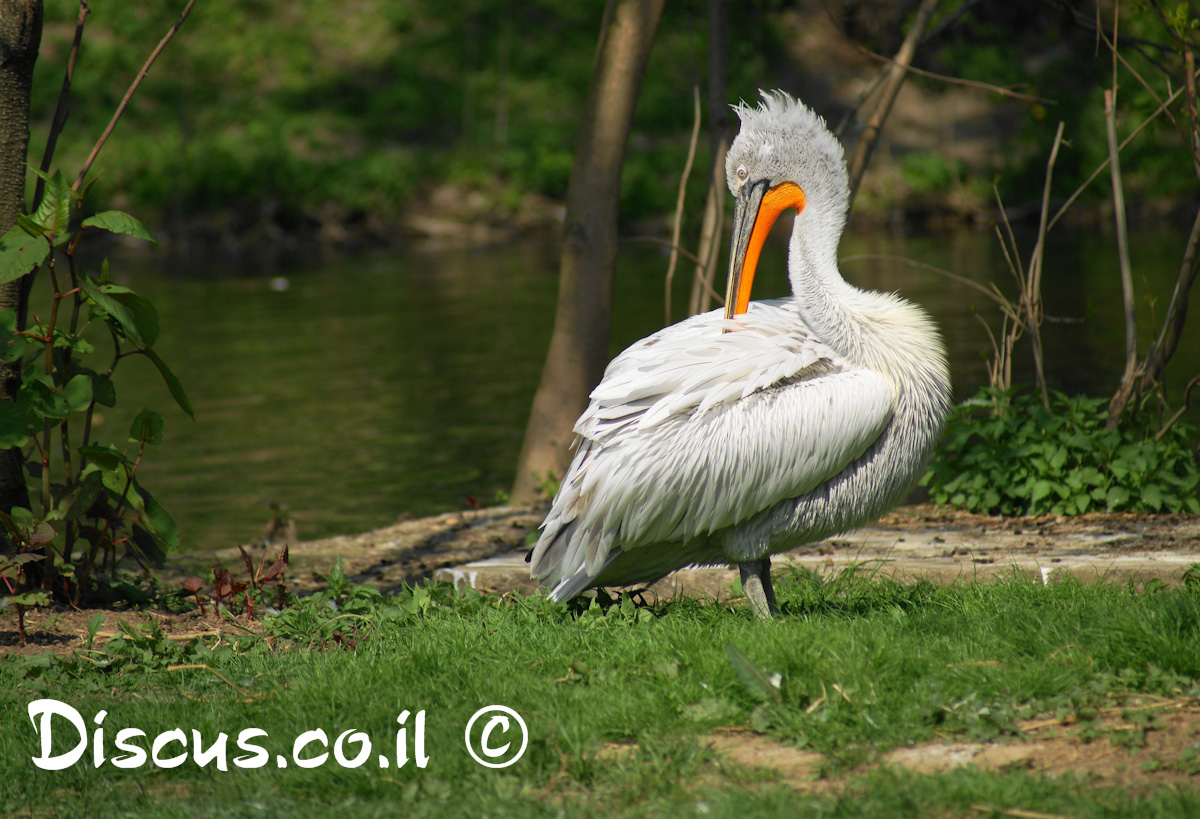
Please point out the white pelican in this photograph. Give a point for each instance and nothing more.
(727, 438)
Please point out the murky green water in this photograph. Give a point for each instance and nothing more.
(390, 383)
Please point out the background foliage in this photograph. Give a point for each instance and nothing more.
(294, 115)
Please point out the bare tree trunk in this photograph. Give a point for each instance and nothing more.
(579, 344)
(20, 36)
(897, 71)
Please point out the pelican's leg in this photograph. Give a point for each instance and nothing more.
(756, 582)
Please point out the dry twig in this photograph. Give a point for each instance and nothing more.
(129, 94)
(687, 171)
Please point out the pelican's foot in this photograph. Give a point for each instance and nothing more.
(756, 582)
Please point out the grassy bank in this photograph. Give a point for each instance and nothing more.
(630, 709)
(298, 116)
(264, 118)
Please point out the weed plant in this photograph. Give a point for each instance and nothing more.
(619, 699)
(1003, 453)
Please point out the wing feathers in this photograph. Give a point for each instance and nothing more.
(693, 430)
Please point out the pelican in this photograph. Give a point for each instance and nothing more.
(732, 436)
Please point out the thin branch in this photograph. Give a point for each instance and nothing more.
(60, 112)
(1014, 261)
(1100, 168)
(1110, 119)
(710, 236)
(713, 296)
(1172, 330)
(129, 94)
(955, 80)
(1187, 44)
(852, 111)
(1035, 262)
(963, 280)
(1187, 405)
(1032, 295)
(891, 88)
(687, 254)
(929, 37)
(951, 19)
(687, 171)
(1149, 90)
(1136, 43)
(1173, 321)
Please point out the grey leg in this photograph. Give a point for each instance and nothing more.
(756, 582)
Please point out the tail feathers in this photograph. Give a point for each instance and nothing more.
(559, 558)
(571, 586)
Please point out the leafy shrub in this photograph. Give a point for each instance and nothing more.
(1004, 453)
(88, 500)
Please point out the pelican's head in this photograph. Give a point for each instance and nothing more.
(783, 157)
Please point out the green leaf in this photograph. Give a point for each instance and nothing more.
(118, 222)
(78, 392)
(145, 315)
(28, 599)
(106, 457)
(54, 213)
(129, 314)
(20, 253)
(75, 343)
(103, 390)
(93, 628)
(12, 346)
(156, 520)
(83, 496)
(1116, 496)
(10, 562)
(1153, 497)
(1040, 490)
(44, 400)
(147, 427)
(337, 577)
(17, 422)
(173, 383)
(751, 676)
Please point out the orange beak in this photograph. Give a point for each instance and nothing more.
(754, 213)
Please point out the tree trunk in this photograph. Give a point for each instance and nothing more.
(579, 344)
(20, 36)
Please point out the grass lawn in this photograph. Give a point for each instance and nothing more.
(1070, 700)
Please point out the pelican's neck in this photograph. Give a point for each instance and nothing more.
(829, 305)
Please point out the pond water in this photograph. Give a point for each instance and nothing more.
(352, 390)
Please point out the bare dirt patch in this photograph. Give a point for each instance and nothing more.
(1146, 743)
(65, 631)
(1160, 748)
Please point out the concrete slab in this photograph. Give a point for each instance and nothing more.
(944, 547)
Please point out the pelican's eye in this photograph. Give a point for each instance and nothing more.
(742, 173)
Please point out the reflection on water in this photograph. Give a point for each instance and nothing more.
(355, 390)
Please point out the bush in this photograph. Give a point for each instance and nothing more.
(1004, 453)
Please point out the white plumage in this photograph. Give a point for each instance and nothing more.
(729, 437)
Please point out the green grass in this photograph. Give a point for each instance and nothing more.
(915, 663)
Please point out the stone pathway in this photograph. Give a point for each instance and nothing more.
(486, 548)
